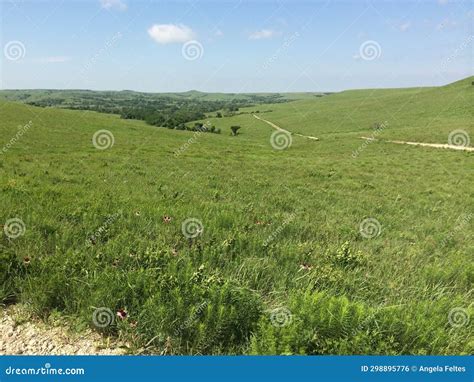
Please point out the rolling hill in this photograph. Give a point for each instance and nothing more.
(219, 244)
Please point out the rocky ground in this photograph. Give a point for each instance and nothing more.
(21, 335)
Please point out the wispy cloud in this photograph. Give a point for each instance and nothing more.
(170, 33)
(263, 34)
(118, 5)
(52, 59)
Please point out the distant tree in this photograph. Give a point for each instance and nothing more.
(219, 114)
(235, 130)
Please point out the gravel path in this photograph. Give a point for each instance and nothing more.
(21, 336)
(286, 131)
(436, 145)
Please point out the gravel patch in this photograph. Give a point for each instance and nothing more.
(30, 337)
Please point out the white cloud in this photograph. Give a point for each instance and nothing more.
(52, 59)
(113, 4)
(170, 33)
(218, 33)
(261, 34)
(404, 27)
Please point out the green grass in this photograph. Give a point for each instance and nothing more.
(217, 293)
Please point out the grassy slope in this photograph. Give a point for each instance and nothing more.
(419, 114)
(420, 266)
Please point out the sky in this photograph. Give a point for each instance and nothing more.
(234, 46)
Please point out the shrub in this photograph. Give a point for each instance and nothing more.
(234, 130)
(346, 257)
(317, 321)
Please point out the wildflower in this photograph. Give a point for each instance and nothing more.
(26, 260)
(166, 219)
(306, 266)
(122, 314)
(137, 213)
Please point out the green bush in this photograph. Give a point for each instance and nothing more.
(324, 324)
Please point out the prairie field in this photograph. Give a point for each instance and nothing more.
(264, 242)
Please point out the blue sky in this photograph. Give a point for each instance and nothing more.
(234, 46)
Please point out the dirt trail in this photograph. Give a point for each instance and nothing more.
(436, 145)
(286, 131)
(20, 335)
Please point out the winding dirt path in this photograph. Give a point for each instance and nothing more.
(436, 145)
(286, 131)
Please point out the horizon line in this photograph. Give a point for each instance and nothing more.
(230, 92)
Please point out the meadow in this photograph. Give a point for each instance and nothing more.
(184, 243)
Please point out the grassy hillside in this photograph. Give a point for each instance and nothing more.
(68, 97)
(418, 114)
(280, 265)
